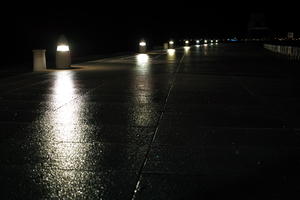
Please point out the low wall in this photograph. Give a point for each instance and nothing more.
(291, 52)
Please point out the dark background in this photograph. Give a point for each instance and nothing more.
(102, 28)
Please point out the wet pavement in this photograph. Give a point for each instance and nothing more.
(208, 122)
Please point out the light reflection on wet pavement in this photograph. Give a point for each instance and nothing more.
(180, 124)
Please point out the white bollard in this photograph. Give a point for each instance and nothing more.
(39, 60)
(63, 54)
(166, 46)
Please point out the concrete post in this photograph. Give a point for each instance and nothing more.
(166, 46)
(39, 60)
(63, 54)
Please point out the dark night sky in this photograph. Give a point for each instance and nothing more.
(102, 27)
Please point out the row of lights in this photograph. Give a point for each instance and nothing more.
(143, 58)
(63, 57)
(187, 42)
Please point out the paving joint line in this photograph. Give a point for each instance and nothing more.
(156, 130)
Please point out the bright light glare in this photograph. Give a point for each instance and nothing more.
(171, 52)
(197, 41)
(63, 48)
(205, 45)
(171, 42)
(217, 41)
(205, 41)
(186, 42)
(197, 45)
(142, 44)
(63, 123)
(64, 88)
(186, 48)
(142, 58)
(212, 41)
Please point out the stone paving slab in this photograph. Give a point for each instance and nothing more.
(211, 122)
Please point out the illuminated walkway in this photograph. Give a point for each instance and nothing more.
(208, 122)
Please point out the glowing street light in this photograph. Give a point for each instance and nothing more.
(205, 41)
(142, 46)
(63, 54)
(186, 42)
(62, 48)
(197, 41)
(171, 44)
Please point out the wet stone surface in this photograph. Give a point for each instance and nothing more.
(209, 122)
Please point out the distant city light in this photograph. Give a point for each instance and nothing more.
(217, 41)
(233, 40)
(197, 41)
(187, 42)
(63, 48)
(205, 41)
(211, 41)
(171, 42)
